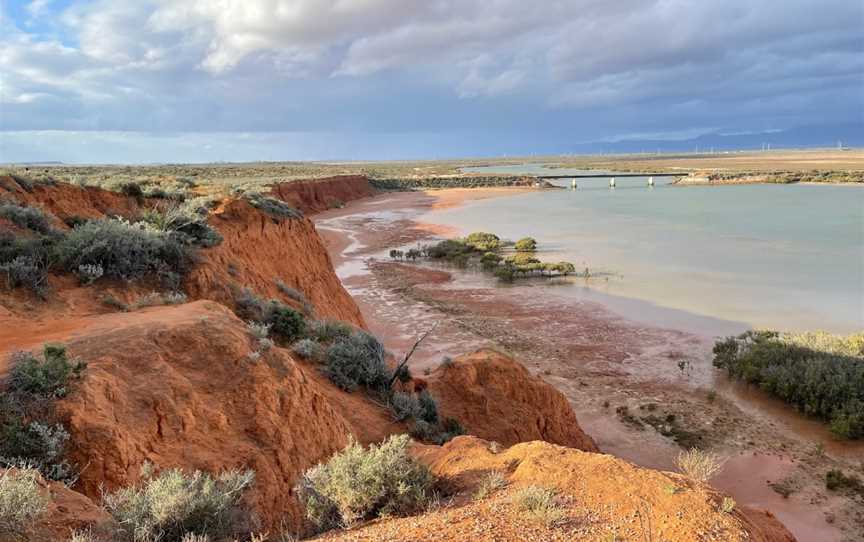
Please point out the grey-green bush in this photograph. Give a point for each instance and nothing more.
(31, 218)
(357, 360)
(21, 501)
(362, 483)
(126, 251)
(167, 506)
(275, 208)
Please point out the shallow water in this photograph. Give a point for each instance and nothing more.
(778, 256)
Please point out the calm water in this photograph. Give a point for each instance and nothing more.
(787, 257)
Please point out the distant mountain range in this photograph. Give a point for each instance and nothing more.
(820, 136)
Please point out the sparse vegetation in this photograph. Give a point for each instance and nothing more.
(491, 482)
(276, 208)
(837, 480)
(173, 504)
(699, 465)
(727, 505)
(21, 501)
(540, 504)
(820, 374)
(362, 483)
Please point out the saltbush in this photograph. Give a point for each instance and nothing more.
(168, 506)
(362, 483)
(30, 218)
(308, 350)
(357, 360)
(826, 384)
(126, 251)
(274, 207)
(21, 500)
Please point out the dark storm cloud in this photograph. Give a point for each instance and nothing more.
(579, 70)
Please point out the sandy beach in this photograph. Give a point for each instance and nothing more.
(636, 389)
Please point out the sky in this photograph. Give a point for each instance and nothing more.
(238, 80)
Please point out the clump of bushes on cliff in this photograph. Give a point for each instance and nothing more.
(29, 436)
(821, 376)
(160, 245)
(276, 208)
(30, 218)
(363, 483)
(173, 504)
(486, 250)
(285, 323)
(21, 501)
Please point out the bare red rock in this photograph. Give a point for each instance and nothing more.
(495, 397)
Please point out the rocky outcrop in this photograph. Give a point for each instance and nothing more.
(175, 386)
(600, 498)
(494, 397)
(260, 252)
(316, 195)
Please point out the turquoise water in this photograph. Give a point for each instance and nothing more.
(778, 256)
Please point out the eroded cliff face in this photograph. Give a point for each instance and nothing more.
(318, 195)
(175, 386)
(259, 252)
(496, 398)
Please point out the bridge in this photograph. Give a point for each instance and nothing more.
(610, 176)
(602, 175)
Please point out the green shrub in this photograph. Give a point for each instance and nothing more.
(428, 407)
(436, 433)
(490, 260)
(826, 384)
(285, 323)
(357, 360)
(837, 480)
(361, 483)
(526, 244)
(172, 504)
(133, 190)
(30, 218)
(47, 377)
(21, 500)
(482, 241)
(522, 258)
(274, 207)
(126, 251)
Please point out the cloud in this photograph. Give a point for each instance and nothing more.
(629, 66)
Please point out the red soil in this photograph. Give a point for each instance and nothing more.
(494, 397)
